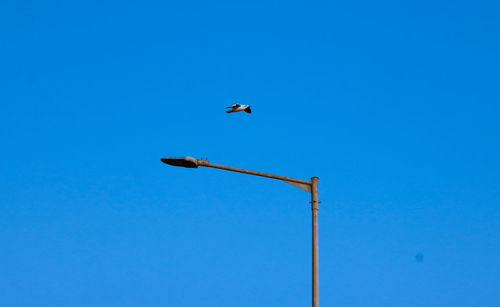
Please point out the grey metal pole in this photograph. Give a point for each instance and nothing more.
(249, 172)
(315, 244)
(309, 186)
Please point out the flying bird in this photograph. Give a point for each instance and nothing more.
(239, 107)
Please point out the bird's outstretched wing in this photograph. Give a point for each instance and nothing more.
(248, 110)
(233, 106)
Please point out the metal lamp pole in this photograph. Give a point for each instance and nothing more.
(306, 185)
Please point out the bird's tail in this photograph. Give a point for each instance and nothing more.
(248, 110)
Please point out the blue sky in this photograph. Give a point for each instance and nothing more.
(394, 105)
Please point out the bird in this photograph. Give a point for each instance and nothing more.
(239, 107)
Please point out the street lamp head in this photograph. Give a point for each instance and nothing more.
(188, 162)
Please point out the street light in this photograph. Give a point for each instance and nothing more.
(306, 185)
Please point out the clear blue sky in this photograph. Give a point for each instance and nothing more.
(394, 105)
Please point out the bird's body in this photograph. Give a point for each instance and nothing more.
(239, 107)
